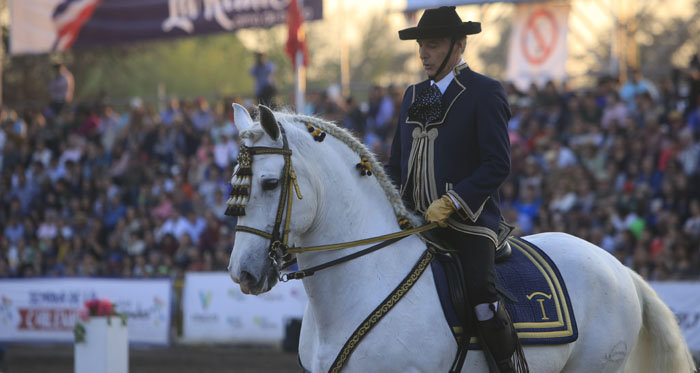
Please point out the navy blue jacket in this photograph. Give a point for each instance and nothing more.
(466, 154)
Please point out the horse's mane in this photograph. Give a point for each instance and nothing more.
(358, 148)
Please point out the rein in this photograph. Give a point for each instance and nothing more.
(389, 239)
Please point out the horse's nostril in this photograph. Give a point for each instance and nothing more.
(247, 278)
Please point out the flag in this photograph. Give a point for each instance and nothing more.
(296, 39)
(68, 18)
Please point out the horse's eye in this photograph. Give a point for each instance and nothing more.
(270, 184)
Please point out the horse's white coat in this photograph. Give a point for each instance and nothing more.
(339, 205)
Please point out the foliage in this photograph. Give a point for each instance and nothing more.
(185, 67)
(494, 58)
(377, 56)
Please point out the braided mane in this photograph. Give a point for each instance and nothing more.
(360, 149)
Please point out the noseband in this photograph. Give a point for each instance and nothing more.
(277, 251)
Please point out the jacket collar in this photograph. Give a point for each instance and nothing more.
(456, 87)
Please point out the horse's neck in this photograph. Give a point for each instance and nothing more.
(344, 294)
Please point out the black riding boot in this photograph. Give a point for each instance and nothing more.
(500, 341)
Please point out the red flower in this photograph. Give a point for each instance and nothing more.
(91, 305)
(105, 308)
(100, 307)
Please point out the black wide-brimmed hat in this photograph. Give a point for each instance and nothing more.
(438, 23)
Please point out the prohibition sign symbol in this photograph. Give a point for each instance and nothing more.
(539, 36)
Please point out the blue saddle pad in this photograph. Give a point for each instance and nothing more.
(542, 313)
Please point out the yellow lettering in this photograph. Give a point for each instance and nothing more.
(541, 302)
(544, 314)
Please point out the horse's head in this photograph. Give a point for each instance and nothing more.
(265, 182)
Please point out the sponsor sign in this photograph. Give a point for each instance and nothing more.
(40, 26)
(215, 310)
(46, 309)
(683, 298)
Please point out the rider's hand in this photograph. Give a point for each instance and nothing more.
(440, 210)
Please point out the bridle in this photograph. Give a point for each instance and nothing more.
(279, 252)
(280, 232)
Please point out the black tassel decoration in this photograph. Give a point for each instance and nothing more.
(317, 134)
(364, 167)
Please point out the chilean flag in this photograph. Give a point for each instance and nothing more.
(296, 37)
(68, 18)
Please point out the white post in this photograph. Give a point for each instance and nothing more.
(105, 348)
(300, 91)
(300, 82)
(344, 62)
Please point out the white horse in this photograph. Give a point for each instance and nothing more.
(623, 325)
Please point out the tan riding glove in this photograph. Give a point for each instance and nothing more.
(440, 210)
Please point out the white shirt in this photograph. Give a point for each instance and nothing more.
(447, 79)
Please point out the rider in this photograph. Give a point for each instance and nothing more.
(450, 154)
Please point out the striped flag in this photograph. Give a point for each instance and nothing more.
(68, 18)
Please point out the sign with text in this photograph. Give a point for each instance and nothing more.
(215, 310)
(41, 26)
(46, 309)
(683, 298)
(538, 47)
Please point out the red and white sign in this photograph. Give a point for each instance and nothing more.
(42, 309)
(538, 44)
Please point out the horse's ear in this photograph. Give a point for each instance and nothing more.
(268, 122)
(241, 118)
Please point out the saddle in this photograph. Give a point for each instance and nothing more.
(453, 268)
(529, 286)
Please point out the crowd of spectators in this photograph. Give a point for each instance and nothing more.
(89, 191)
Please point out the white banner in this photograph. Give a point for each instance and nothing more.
(684, 300)
(33, 29)
(45, 309)
(538, 44)
(215, 310)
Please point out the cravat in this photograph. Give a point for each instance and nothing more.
(427, 107)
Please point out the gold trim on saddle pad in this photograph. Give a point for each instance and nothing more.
(555, 293)
(558, 324)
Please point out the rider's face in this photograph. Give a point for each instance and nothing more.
(433, 51)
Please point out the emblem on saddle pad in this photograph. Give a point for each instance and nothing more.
(542, 297)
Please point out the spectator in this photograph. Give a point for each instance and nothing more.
(262, 71)
(60, 88)
(636, 85)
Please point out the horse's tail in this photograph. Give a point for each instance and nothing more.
(661, 346)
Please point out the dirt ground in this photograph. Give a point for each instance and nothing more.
(174, 359)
